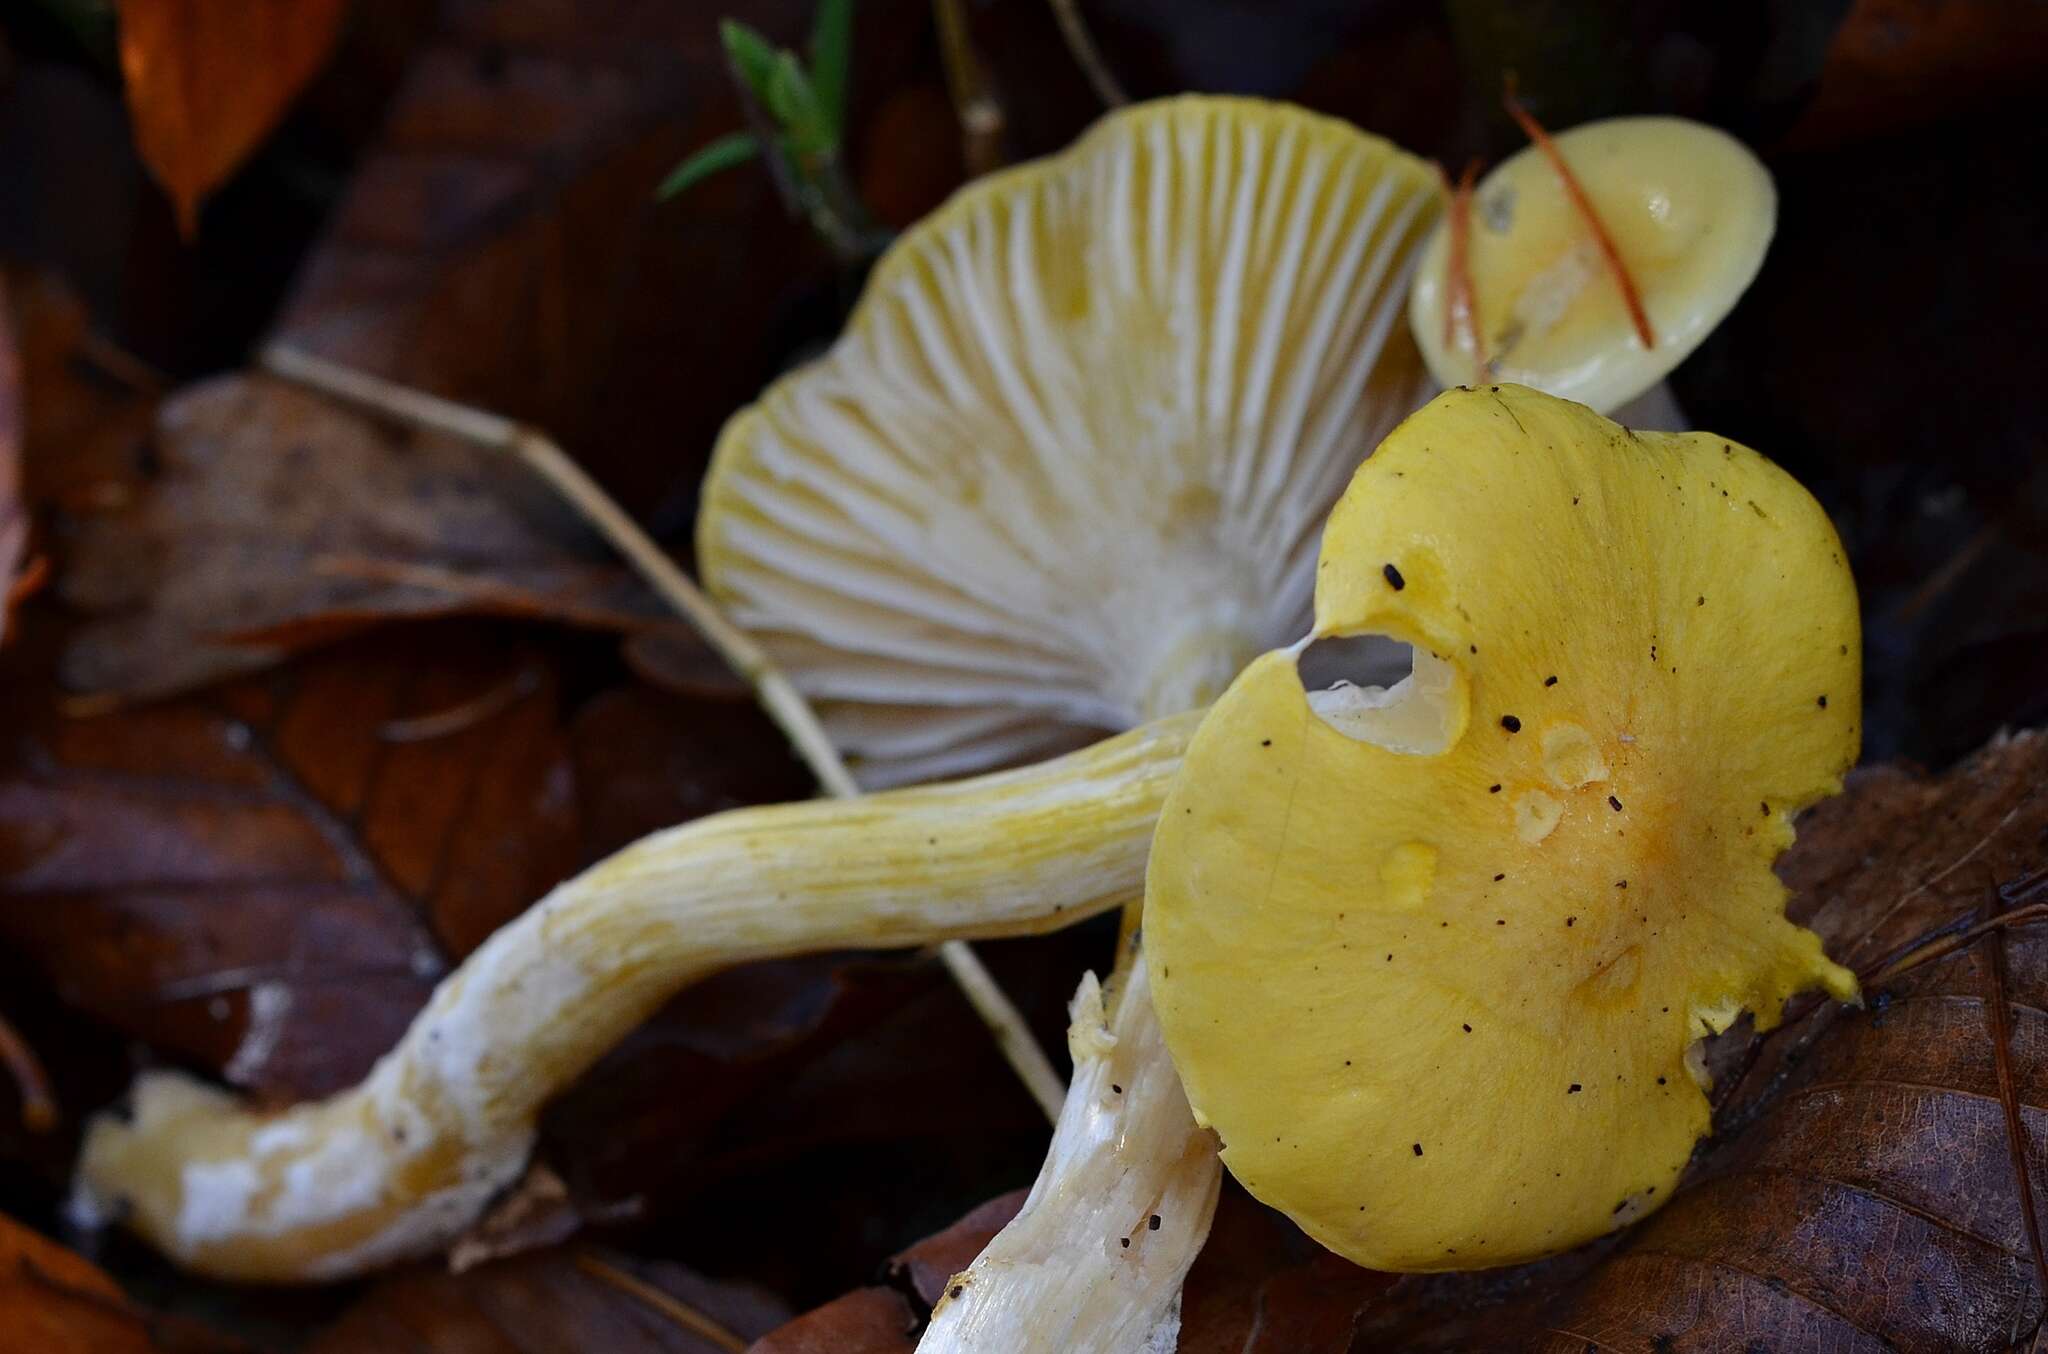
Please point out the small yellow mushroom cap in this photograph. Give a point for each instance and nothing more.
(1691, 212)
(1431, 961)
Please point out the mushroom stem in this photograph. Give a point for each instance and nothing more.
(1192, 672)
(399, 1165)
(1094, 1262)
(776, 693)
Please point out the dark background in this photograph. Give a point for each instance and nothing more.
(463, 201)
(1889, 354)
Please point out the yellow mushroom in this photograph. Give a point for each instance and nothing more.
(1691, 605)
(1431, 960)
(1064, 470)
(1689, 211)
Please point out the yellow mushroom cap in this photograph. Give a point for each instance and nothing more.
(1065, 468)
(1691, 212)
(1438, 1001)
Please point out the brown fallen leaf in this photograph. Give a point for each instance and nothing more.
(54, 1300)
(501, 245)
(676, 659)
(208, 80)
(564, 1301)
(266, 879)
(883, 1320)
(164, 545)
(865, 1321)
(1262, 1287)
(192, 576)
(1861, 1191)
(927, 1266)
(261, 879)
(85, 431)
(275, 520)
(18, 1061)
(646, 759)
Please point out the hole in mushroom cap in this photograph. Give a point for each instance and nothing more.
(1376, 661)
(1376, 689)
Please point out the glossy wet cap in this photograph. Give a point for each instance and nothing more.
(1691, 212)
(1431, 960)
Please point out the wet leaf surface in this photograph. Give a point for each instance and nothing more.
(270, 519)
(511, 194)
(247, 520)
(268, 878)
(256, 879)
(865, 1321)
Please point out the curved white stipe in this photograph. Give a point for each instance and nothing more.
(1093, 1263)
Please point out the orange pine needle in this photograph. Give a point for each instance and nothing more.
(1461, 297)
(1577, 193)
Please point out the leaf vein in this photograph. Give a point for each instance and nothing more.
(1774, 1286)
